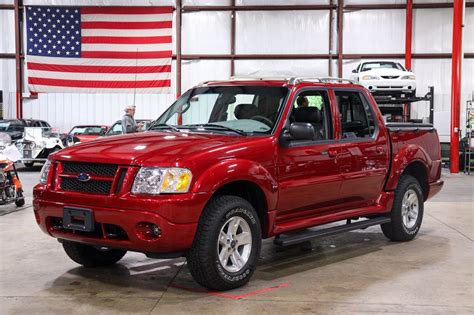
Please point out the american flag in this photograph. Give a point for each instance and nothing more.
(99, 49)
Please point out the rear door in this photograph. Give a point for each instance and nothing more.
(308, 173)
(364, 155)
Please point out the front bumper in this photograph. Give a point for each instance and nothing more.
(174, 237)
(387, 85)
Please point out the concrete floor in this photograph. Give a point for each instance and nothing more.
(357, 272)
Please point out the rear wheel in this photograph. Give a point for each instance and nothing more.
(407, 211)
(227, 244)
(90, 256)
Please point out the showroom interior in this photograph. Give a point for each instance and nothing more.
(145, 63)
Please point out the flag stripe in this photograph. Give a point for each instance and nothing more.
(100, 84)
(126, 10)
(126, 47)
(126, 18)
(126, 54)
(100, 62)
(70, 89)
(97, 69)
(126, 25)
(119, 77)
(127, 33)
(126, 40)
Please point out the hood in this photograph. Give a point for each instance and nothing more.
(150, 148)
(386, 71)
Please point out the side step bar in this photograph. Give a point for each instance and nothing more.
(296, 238)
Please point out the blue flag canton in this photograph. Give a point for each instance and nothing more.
(54, 32)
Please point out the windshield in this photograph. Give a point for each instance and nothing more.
(4, 126)
(238, 109)
(88, 131)
(385, 65)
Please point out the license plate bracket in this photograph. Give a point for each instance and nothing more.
(78, 219)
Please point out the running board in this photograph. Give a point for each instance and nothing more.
(292, 239)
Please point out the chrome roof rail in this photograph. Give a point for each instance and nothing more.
(297, 80)
(260, 78)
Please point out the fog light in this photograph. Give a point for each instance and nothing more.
(409, 87)
(147, 231)
(370, 87)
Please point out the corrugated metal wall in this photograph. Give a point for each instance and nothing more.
(365, 31)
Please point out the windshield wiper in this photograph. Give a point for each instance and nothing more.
(216, 126)
(164, 126)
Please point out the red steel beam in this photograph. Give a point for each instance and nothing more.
(340, 33)
(232, 39)
(18, 61)
(194, 8)
(456, 85)
(408, 44)
(331, 17)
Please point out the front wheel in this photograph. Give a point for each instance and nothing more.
(407, 211)
(90, 256)
(227, 244)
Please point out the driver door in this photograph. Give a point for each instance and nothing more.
(308, 171)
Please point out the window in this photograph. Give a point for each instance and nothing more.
(313, 107)
(386, 65)
(357, 119)
(242, 109)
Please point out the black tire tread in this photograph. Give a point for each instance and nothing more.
(395, 230)
(199, 263)
(88, 256)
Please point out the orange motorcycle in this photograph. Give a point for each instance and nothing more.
(11, 190)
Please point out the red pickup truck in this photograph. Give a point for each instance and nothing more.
(231, 163)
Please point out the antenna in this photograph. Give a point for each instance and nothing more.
(135, 89)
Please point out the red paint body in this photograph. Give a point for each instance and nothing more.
(301, 186)
(456, 85)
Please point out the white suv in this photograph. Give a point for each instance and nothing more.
(386, 78)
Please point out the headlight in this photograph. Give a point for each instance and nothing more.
(408, 77)
(44, 172)
(370, 77)
(155, 180)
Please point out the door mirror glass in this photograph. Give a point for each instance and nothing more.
(354, 71)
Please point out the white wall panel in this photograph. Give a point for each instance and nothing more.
(101, 2)
(206, 33)
(7, 29)
(468, 40)
(374, 31)
(206, 2)
(374, 2)
(432, 30)
(196, 71)
(279, 32)
(285, 68)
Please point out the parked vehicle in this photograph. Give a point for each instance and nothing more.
(37, 144)
(16, 127)
(116, 128)
(386, 79)
(245, 163)
(85, 133)
(11, 190)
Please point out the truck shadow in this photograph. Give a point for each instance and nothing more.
(136, 276)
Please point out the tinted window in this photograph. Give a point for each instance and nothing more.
(357, 119)
(313, 107)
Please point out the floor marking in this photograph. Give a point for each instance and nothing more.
(233, 297)
(133, 273)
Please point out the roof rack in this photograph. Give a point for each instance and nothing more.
(296, 80)
(260, 78)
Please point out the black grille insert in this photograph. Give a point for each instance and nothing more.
(92, 186)
(106, 170)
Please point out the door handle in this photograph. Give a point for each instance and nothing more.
(379, 150)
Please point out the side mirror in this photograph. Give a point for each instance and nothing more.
(298, 131)
(354, 71)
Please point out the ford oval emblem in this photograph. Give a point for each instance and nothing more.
(83, 177)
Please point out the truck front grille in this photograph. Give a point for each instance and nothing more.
(106, 170)
(92, 186)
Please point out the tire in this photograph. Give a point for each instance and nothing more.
(90, 256)
(29, 164)
(203, 258)
(20, 202)
(407, 211)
